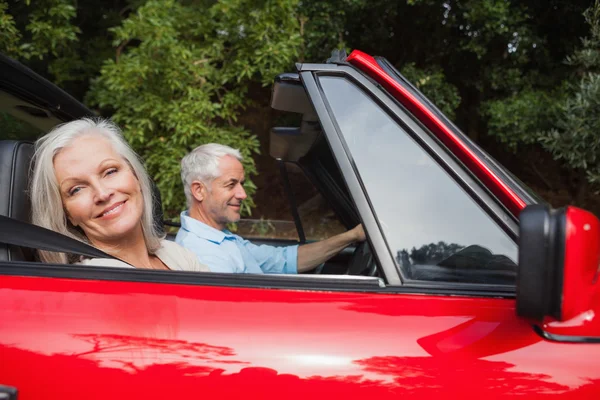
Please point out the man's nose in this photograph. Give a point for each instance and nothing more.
(241, 193)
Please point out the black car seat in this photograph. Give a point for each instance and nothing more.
(15, 158)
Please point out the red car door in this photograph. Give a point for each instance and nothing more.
(65, 338)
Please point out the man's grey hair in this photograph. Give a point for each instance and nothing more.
(202, 164)
(46, 203)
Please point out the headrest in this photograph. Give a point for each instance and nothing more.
(15, 157)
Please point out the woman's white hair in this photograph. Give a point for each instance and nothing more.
(202, 164)
(47, 208)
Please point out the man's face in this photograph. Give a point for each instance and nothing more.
(224, 195)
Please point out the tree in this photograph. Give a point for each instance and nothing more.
(65, 41)
(575, 139)
(324, 25)
(432, 82)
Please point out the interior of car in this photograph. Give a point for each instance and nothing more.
(16, 156)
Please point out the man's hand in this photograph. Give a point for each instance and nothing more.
(358, 233)
(313, 254)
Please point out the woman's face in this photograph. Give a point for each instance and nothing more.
(99, 191)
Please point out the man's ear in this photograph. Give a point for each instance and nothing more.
(198, 190)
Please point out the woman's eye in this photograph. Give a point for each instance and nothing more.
(74, 191)
(111, 171)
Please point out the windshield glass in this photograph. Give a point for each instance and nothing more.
(427, 218)
(526, 193)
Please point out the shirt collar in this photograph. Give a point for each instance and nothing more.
(202, 230)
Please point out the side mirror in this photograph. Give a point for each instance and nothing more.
(559, 256)
(288, 94)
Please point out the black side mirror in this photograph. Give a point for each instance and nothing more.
(559, 255)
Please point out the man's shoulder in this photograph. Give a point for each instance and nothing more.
(219, 257)
(192, 229)
(183, 234)
(204, 246)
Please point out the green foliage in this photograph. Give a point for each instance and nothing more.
(433, 84)
(575, 139)
(10, 36)
(181, 76)
(588, 57)
(45, 36)
(482, 23)
(518, 119)
(50, 28)
(324, 25)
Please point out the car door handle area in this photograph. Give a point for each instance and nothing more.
(8, 393)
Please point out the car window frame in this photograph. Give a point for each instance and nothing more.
(310, 74)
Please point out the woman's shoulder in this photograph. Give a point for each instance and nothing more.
(179, 258)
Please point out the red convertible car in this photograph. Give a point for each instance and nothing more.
(468, 286)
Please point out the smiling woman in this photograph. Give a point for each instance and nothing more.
(90, 185)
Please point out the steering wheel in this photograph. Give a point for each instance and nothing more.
(362, 262)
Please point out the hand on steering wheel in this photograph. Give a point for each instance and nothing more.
(362, 262)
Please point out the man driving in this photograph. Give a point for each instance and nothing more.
(213, 176)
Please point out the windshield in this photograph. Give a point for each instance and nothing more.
(526, 193)
(434, 229)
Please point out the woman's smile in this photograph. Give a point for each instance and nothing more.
(113, 211)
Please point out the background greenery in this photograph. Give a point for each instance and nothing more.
(522, 78)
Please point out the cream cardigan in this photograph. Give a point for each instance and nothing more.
(170, 253)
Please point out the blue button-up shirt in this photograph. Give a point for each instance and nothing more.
(222, 251)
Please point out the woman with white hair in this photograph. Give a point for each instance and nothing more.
(88, 184)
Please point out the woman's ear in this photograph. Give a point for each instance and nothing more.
(198, 190)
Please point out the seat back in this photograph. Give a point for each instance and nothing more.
(15, 159)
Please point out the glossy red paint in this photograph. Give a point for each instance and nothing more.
(581, 286)
(125, 340)
(508, 197)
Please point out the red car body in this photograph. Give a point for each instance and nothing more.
(156, 335)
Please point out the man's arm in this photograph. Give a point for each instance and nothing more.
(313, 254)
